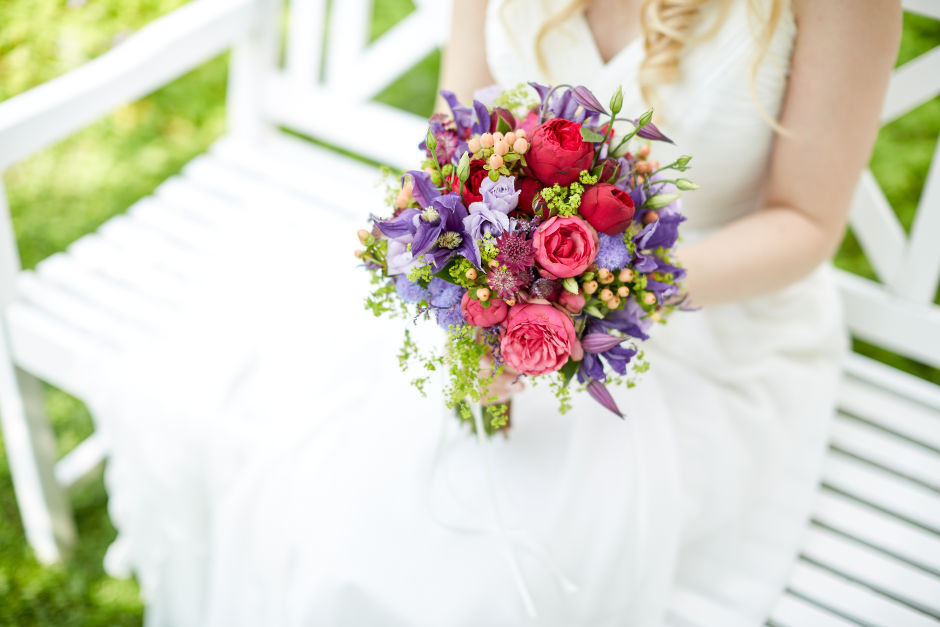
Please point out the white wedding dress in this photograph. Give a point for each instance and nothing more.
(310, 484)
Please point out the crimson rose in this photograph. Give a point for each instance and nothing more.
(607, 208)
(471, 189)
(557, 153)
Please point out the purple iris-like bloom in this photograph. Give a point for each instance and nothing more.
(443, 293)
(563, 104)
(631, 320)
(399, 228)
(449, 316)
(612, 252)
(440, 233)
(463, 115)
(649, 131)
(591, 368)
(424, 190)
(586, 98)
(482, 125)
(408, 291)
(499, 195)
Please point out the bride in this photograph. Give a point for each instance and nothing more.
(318, 489)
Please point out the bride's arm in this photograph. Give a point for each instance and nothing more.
(843, 55)
(463, 64)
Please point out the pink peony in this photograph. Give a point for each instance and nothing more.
(479, 316)
(565, 247)
(538, 339)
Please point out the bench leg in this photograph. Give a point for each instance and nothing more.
(31, 450)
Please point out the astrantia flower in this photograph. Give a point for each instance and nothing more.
(444, 294)
(515, 251)
(545, 288)
(612, 252)
(408, 291)
(505, 282)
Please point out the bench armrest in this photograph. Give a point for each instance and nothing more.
(152, 57)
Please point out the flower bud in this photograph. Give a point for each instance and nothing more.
(520, 132)
(613, 303)
(494, 264)
(626, 275)
(431, 141)
(483, 294)
(654, 165)
(644, 151)
(589, 287)
(605, 279)
(473, 145)
(463, 167)
(649, 217)
(364, 236)
(655, 316)
(510, 138)
(486, 140)
(496, 162)
(623, 291)
(649, 298)
(501, 147)
(616, 101)
(640, 180)
(520, 146)
(471, 274)
(642, 167)
(359, 253)
(496, 137)
(606, 294)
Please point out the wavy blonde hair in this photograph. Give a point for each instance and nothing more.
(667, 28)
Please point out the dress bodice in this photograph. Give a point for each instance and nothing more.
(710, 113)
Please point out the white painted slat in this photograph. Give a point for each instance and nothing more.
(899, 385)
(877, 229)
(172, 223)
(306, 30)
(52, 349)
(139, 308)
(912, 84)
(290, 105)
(80, 461)
(129, 260)
(870, 525)
(885, 574)
(891, 412)
(158, 53)
(920, 271)
(349, 33)
(149, 245)
(211, 208)
(792, 611)
(884, 449)
(930, 8)
(72, 310)
(891, 493)
(889, 321)
(853, 600)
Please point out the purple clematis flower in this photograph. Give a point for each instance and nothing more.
(631, 320)
(400, 228)
(440, 233)
(463, 115)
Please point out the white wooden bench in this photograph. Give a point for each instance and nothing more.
(873, 551)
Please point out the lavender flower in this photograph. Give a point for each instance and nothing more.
(449, 316)
(444, 294)
(500, 195)
(408, 291)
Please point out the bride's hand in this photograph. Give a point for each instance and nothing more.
(505, 384)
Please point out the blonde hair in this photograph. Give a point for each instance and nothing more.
(667, 29)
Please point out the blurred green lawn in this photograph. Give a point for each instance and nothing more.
(73, 187)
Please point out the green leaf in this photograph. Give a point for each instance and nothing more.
(571, 285)
(494, 175)
(590, 136)
(661, 200)
(511, 157)
(502, 126)
(444, 273)
(593, 311)
(569, 370)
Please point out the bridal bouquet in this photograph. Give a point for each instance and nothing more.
(538, 237)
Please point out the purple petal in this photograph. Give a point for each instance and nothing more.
(424, 190)
(463, 115)
(599, 393)
(587, 99)
(599, 342)
(400, 226)
(542, 90)
(425, 237)
(482, 125)
(651, 132)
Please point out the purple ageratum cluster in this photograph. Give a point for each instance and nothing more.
(612, 252)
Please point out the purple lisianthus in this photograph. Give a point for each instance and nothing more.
(408, 291)
(444, 294)
(479, 222)
(399, 258)
(500, 195)
(612, 252)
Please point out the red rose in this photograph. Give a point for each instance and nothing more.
(557, 154)
(529, 188)
(607, 208)
(564, 247)
(471, 189)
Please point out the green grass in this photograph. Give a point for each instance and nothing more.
(70, 189)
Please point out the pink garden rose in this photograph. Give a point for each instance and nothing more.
(565, 247)
(538, 339)
(479, 316)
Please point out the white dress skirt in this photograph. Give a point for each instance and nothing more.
(308, 483)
